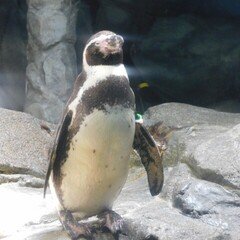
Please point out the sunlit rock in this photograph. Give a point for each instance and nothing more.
(190, 206)
(24, 144)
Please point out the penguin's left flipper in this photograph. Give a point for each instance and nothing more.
(59, 145)
(150, 156)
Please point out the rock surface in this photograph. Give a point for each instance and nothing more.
(23, 144)
(190, 205)
(207, 140)
(218, 159)
(35, 218)
(181, 115)
(51, 68)
(208, 202)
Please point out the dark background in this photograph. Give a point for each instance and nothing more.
(186, 50)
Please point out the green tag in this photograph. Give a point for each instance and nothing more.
(138, 118)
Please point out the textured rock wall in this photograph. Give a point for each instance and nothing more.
(51, 68)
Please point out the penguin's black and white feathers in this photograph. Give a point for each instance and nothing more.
(89, 160)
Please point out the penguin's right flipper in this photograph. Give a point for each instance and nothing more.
(74, 229)
(59, 146)
(150, 156)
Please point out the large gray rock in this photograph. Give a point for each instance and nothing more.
(207, 140)
(218, 158)
(23, 144)
(188, 207)
(180, 115)
(209, 202)
(35, 218)
(51, 68)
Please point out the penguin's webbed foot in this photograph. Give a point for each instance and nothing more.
(74, 229)
(113, 222)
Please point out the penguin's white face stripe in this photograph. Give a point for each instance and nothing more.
(96, 74)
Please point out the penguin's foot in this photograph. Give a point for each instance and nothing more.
(74, 229)
(113, 222)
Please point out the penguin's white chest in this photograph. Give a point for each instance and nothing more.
(97, 164)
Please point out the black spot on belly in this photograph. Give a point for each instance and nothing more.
(106, 166)
(110, 185)
(94, 151)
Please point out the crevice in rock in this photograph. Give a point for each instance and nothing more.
(4, 169)
(22, 180)
(210, 176)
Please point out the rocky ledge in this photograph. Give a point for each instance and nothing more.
(201, 194)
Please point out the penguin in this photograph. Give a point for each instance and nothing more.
(89, 160)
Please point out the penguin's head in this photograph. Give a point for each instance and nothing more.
(103, 48)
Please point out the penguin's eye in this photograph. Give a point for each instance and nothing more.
(97, 43)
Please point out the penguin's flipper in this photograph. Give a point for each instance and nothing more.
(148, 151)
(59, 145)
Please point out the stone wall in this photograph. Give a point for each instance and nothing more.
(52, 67)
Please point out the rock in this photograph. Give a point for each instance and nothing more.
(188, 207)
(146, 217)
(24, 145)
(23, 207)
(217, 159)
(180, 115)
(209, 202)
(205, 139)
(51, 69)
(207, 142)
(22, 179)
(198, 198)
